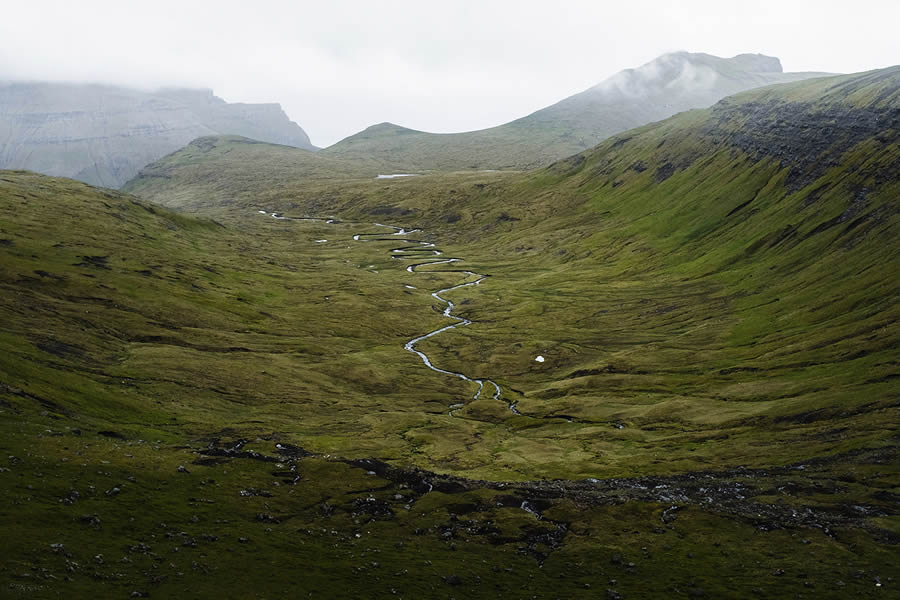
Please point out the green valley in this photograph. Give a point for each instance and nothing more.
(196, 396)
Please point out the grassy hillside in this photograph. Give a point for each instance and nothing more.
(715, 297)
(220, 169)
(728, 270)
(667, 85)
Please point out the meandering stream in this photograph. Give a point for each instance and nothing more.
(428, 255)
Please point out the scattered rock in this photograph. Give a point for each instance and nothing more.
(670, 514)
(90, 520)
(266, 518)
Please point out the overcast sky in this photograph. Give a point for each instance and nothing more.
(339, 66)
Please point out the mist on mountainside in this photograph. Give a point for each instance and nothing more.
(669, 84)
(103, 134)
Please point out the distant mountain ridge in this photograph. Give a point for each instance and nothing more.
(669, 84)
(103, 134)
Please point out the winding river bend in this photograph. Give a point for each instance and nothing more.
(427, 255)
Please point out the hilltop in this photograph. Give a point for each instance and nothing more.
(217, 171)
(103, 134)
(663, 87)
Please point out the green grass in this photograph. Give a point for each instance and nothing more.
(717, 304)
(171, 533)
(679, 281)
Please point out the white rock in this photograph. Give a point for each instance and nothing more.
(539, 358)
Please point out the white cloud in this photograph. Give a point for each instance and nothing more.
(340, 66)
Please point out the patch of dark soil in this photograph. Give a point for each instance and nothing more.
(393, 211)
(60, 349)
(887, 496)
(463, 508)
(99, 262)
(665, 171)
(44, 274)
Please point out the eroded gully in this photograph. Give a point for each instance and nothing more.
(427, 255)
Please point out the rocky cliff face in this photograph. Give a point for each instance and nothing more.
(811, 137)
(103, 135)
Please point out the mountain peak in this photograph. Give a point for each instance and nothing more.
(379, 131)
(689, 72)
(752, 62)
(668, 84)
(388, 128)
(759, 63)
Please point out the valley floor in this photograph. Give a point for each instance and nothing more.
(188, 407)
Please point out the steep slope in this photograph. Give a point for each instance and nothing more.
(728, 276)
(663, 87)
(103, 134)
